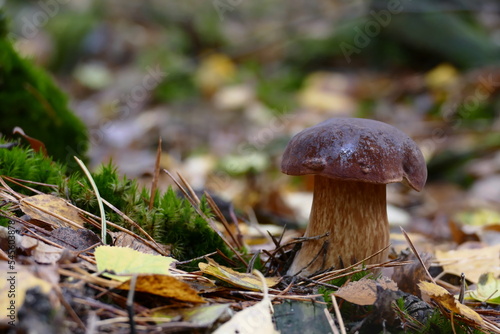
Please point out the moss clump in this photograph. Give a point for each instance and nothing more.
(30, 99)
(172, 220)
(22, 163)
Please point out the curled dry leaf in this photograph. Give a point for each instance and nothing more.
(242, 280)
(441, 296)
(35, 144)
(407, 277)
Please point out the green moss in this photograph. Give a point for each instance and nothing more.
(30, 99)
(172, 221)
(22, 163)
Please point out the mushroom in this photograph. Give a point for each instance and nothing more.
(352, 160)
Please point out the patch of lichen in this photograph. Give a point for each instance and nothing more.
(30, 99)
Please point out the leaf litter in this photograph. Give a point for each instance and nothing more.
(220, 289)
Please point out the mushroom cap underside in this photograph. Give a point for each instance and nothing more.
(356, 149)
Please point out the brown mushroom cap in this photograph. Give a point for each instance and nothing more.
(356, 149)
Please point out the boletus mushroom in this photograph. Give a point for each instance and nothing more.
(352, 160)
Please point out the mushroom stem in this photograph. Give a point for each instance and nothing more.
(354, 214)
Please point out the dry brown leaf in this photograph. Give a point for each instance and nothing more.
(122, 239)
(165, 286)
(407, 277)
(51, 210)
(440, 295)
(40, 251)
(364, 291)
(471, 262)
(35, 144)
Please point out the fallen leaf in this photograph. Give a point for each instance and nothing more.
(73, 239)
(407, 277)
(253, 319)
(203, 316)
(122, 239)
(442, 76)
(35, 144)
(241, 280)
(126, 262)
(440, 295)
(364, 291)
(472, 262)
(51, 210)
(488, 289)
(13, 287)
(40, 251)
(165, 286)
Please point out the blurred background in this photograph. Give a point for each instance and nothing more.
(226, 83)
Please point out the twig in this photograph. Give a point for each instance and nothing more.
(239, 235)
(337, 314)
(196, 258)
(330, 321)
(130, 303)
(223, 220)
(417, 255)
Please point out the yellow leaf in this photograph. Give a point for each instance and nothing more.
(126, 261)
(215, 70)
(442, 76)
(51, 210)
(471, 262)
(13, 287)
(441, 296)
(241, 280)
(488, 289)
(165, 286)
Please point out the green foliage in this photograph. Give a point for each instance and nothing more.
(30, 99)
(172, 220)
